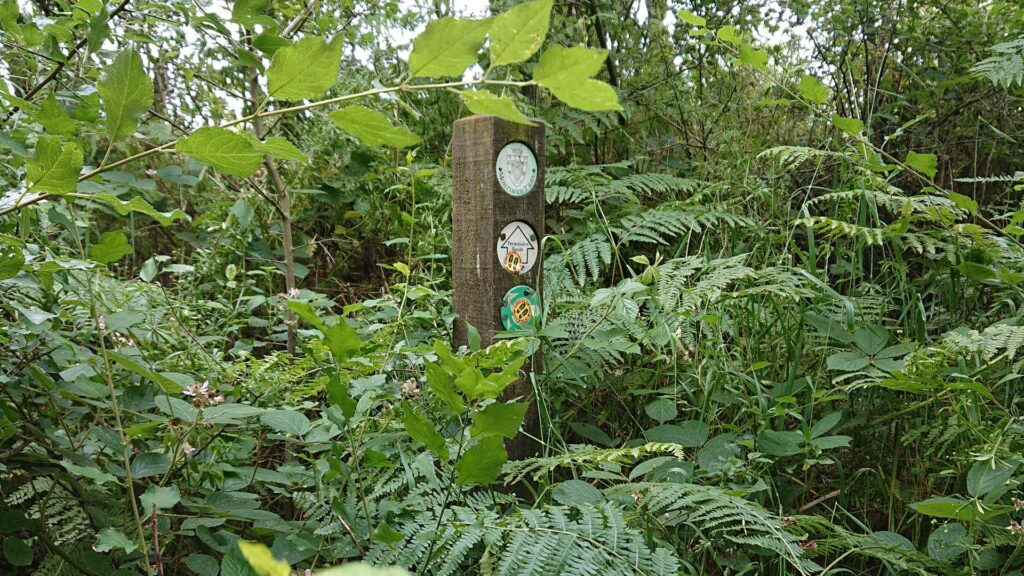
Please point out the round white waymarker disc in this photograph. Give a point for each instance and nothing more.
(518, 247)
(516, 169)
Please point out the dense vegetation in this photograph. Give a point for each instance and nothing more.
(782, 294)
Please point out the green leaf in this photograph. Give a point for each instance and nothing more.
(338, 395)
(342, 340)
(176, 408)
(518, 33)
(567, 71)
(831, 442)
(847, 361)
(306, 311)
(474, 385)
(730, 34)
(958, 509)
(661, 409)
(691, 18)
(372, 128)
(926, 164)
(262, 561)
(202, 564)
(776, 443)
(362, 569)
(94, 474)
(222, 149)
(482, 463)
(112, 247)
(53, 118)
(113, 539)
(963, 202)
(127, 93)
(851, 126)
(306, 69)
(753, 57)
(576, 492)
(825, 423)
(136, 204)
(484, 102)
(947, 542)
(17, 552)
(447, 47)
(985, 476)
(421, 430)
(150, 464)
(442, 384)
(813, 90)
(249, 8)
(12, 258)
(279, 147)
(688, 434)
(286, 421)
(163, 497)
(54, 167)
(230, 413)
(499, 418)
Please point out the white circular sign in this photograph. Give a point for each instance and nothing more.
(518, 247)
(516, 169)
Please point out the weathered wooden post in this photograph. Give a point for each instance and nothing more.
(497, 224)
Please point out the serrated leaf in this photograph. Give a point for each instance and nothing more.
(729, 34)
(851, 126)
(136, 204)
(518, 33)
(306, 69)
(483, 102)
(286, 421)
(499, 418)
(223, 150)
(780, 443)
(279, 147)
(576, 492)
(243, 9)
(12, 258)
(926, 164)
(753, 57)
(372, 128)
(127, 93)
(691, 18)
(482, 463)
(442, 384)
(53, 118)
(112, 247)
(421, 430)
(447, 47)
(985, 476)
(847, 361)
(163, 497)
(262, 561)
(54, 167)
(947, 542)
(113, 539)
(963, 202)
(566, 73)
(661, 409)
(813, 90)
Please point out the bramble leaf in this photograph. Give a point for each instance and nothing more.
(372, 128)
(222, 149)
(447, 47)
(518, 33)
(127, 93)
(306, 69)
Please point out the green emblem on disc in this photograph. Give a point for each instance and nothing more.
(520, 308)
(516, 169)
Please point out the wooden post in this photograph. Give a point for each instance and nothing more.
(497, 223)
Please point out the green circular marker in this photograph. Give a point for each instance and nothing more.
(520, 308)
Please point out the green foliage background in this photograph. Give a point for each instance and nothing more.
(782, 289)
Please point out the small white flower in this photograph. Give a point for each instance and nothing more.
(188, 449)
(196, 390)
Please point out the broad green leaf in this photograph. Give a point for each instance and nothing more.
(985, 476)
(12, 258)
(306, 69)
(484, 102)
(825, 423)
(286, 421)
(176, 408)
(447, 47)
(54, 167)
(150, 464)
(958, 509)
(279, 147)
(926, 164)
(518, 33)
(688, 434)
(17, 552)
(342, 340)
(474, 385)
(113, 539)
(372, 128)
(753, 57)
(442, 384)
(54, 119)
(112, 247)
(691, 18)
(963, 202)
(421, 430)
(230, 413)
(847, 361)
(136, 204)
(567, 71)
(222, 149)
(831, 442)
(813, 90)
(482, 463)
(127, 93)
(166, 384)
(262, 561)
(499, 418)
(306, 311)
(661, 409)
(780, 443)
(249, 8)
(851, 126)
(947, 542)
(362, 569)
(338, 395)
(95, 474)
(163, 497)
(730, 34)
(269, 43)
(202, 564)
(576, 492)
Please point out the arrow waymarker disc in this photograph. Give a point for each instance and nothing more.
(518, 247)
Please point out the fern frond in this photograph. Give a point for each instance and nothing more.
(1006, 67)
